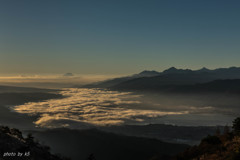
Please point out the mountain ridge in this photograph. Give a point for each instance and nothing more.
(170, 76)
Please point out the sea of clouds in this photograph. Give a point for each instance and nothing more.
(96, 107)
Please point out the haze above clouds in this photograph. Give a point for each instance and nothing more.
(52, 81)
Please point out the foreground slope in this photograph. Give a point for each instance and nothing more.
(79, 144)
(14, 146)
(225, 146)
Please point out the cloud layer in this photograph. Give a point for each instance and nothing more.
(90, 107)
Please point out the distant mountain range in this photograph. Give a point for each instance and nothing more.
(177, 80)
(115, 81)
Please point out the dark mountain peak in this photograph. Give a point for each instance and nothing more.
(230, 70)
(174, 70)
(170, 70)
(146, 73)
(203, 69)
(234, 68)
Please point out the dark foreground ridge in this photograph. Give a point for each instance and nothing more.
(220, 146)
(14, 146)
(84, 144)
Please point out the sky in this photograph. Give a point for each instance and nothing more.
(117, 36)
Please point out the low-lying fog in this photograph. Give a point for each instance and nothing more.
(97, 107)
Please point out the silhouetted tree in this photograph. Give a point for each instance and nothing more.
(236, 126)
(16, 132)
(30, 139)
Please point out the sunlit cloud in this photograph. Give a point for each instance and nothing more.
(90, 106)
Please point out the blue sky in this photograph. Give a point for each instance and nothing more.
(117, 36)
